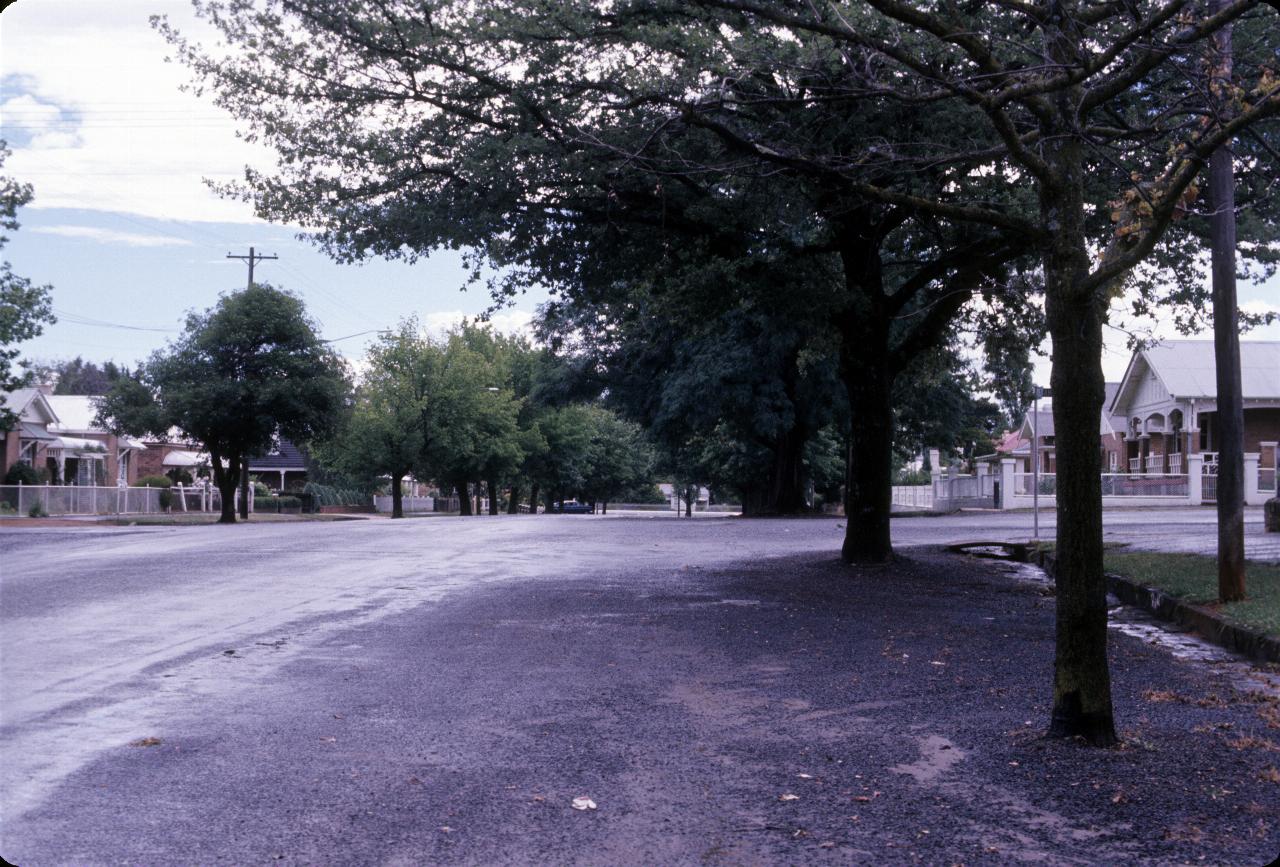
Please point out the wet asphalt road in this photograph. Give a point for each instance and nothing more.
(439, 690)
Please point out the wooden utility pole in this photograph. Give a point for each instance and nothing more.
(251, 259)
(1226, 337)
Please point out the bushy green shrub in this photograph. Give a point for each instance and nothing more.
(22, 474)
(6, 509)
(166, 499)
(179, 476)
(260, 489)
(155, 482)
(37, 511)
(328, 495)
(289, 502)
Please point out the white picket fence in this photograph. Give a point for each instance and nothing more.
(101, 500)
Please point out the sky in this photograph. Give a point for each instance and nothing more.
(122, 224)
(126, 231)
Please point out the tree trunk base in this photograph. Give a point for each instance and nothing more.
(1069, 721)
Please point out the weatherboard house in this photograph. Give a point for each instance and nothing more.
(1167, 408)
(57, 433)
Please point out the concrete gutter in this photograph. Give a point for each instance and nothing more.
(1205, 622)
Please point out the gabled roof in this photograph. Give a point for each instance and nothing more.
(75, 412)
(21, 400)
(1187, 369)
(286, 456)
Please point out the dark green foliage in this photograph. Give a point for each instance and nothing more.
(245, 371)
(154, 482)
(165, 499)
(22, 474)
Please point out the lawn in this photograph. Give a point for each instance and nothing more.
(1194, 578)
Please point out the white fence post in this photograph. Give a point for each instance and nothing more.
(1251, 495)
(1195, 479)
(1006, 483)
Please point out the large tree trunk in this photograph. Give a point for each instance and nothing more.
(244, 489)
(464, 498)
(226, 481)
(1226, 347)
(493, 497)
(1082, 682)
(513, 505)
(868, 381)
(397, 496)
(533, 499)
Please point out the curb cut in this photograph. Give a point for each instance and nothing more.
(1250, 643)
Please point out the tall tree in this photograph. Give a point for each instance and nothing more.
(392, 421)
(24, 308)
(244, 371)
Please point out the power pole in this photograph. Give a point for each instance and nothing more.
(1226, 337)
(251, 259)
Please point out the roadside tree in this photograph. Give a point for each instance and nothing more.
(246, 370)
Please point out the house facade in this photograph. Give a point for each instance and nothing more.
(29, 440)
(1166, 406)
(56, 433)
(283, 467)
(85, 453)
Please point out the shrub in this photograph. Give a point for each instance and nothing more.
(155, 482)
(166, 499)
(22, 474)
(179, 476)
(7, 509)
(289, 502)
(260, 489)
(37, 511)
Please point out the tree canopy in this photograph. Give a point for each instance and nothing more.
(246, 370)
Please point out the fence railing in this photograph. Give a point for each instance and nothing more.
(102, 500)
(1113, 485)
(382, 503)
(913, 496)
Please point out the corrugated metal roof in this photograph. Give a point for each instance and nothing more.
(1187, 368)
(75, 412)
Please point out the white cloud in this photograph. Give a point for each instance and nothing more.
(104, 124)
(110, 236)
(504, 321)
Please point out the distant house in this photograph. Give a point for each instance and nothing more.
(1016, 444)
(29, 440)
(85, 453)
(1166, 405)
(171, 455)
(56, 433)
(285, 462)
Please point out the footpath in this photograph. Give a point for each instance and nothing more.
(789, 711)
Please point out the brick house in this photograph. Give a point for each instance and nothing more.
(86, 454)
(1166, 405)
(285, 463)
(28, 441)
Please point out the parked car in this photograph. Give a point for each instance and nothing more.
(572, 507)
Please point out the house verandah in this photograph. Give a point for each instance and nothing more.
(1166, 404)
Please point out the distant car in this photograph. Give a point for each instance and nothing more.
(573, 507)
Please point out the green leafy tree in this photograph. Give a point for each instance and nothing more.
(78, 376)
(24, 307)
(387, 430)
(618, 458)
(244, 371)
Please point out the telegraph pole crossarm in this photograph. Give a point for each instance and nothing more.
(251, 259)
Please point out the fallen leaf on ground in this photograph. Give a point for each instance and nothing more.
(146, 742)
(788, 797)
(805, 776)
(583, 804)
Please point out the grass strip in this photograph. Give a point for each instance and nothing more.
(1194, 578)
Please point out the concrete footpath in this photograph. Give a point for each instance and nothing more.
(781, 711)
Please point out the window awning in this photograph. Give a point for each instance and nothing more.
(131, 443)
(81, 447)
(29, 431)
(182, 458)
